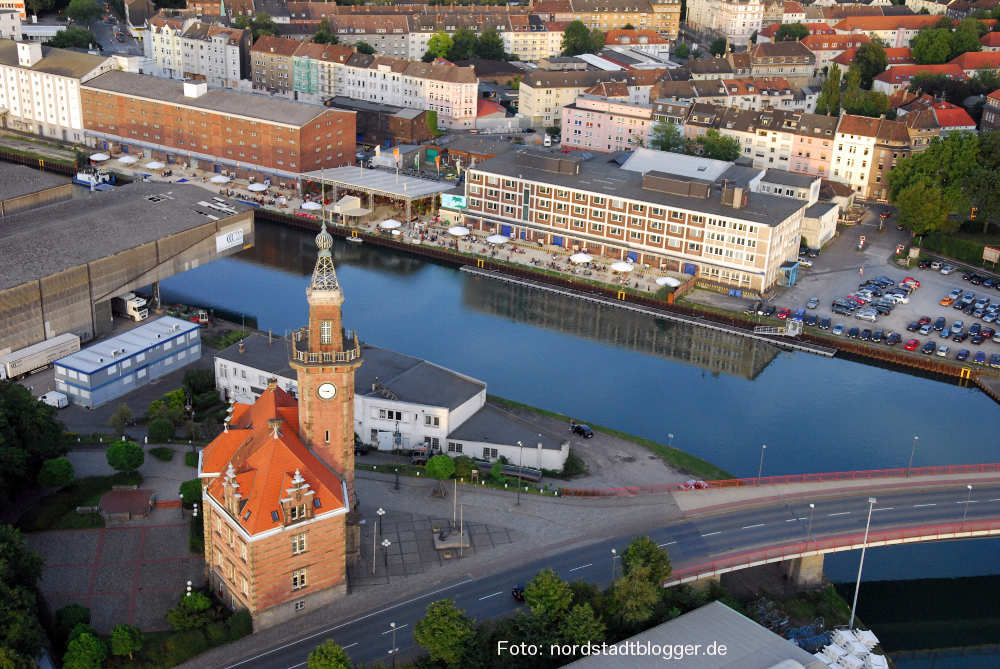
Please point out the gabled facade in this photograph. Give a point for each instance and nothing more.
(736, 20)
(183, 48)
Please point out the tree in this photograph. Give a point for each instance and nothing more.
(949, 163)
(66, 619)
(490, 45)
(72, 37)
(440, 467)
(126, 640)
(716, 146)
(666, 136)
(682, 50)
(190, 492)
(578, 38)
(871, 60)
(444, 632)
(262, 24)
(120, 418)
(194, 611)
(635, 597)
(84, 12)
(160, 430)
(87, 651)
(791, 32)
(828, 101)
(328, 655)
(718, 46)
(463, 45)
(629, 26)
(922, 209)
(364, 47)
(548, 596)
(38, 6)
(644, 552)
(20, 569)
(439, 44)
(125, 456)
(863, 103)
(931, 46)
(56, 473)
(30, 434)
(324, 35)
(582, 626)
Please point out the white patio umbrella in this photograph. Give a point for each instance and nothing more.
(458, 231)
(312, 206)
(396, 233)
(128, 160)
(390, 224)
(580, 258)
(99, 157)
(668, 281)
(622, 267)
(257, 188)
(155, 165)
(498, 239)
(220, 179)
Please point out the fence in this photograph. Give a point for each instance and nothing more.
(970, 529)
(859, 475)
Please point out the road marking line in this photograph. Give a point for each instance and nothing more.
(399, 627)
(350, 622)
(583, 566)
(917, 506)
(669, 543)
(885, 508)
(712, 534)
(840, 513)
(969, 501)
(791, 520)
(350, 646)
(995, 500)
(750, 527)
(488, 596)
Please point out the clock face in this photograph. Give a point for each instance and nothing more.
(326, 391)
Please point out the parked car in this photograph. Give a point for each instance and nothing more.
(958, 326)
(751, 309)
(980, 358)
(924, 264)
(974, 329)
(824, 323)
(942, 351)
(783, 313)
(910, 281)
(800, 315)
(812, 303)
(912, 345)
(893, 339)
(869, 315)
(854, 333)
(812, 319)
(946, 333)
(805, 262)
(939, 323)
(962, 355)
(947, 269)
(960, 336)
(582, 430)
(995, 361)
(913, 327)
(769, 310)
(866, 335)
(923, 320)
(926, 329)
(878, 336)
(928, 348)
(947, 301)
(935, 264)
(838, 329)
(978, 339)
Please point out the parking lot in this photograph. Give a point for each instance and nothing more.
(841, 267)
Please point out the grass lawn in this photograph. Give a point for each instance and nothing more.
(675, 457)
(58, 511)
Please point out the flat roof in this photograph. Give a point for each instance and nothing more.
(817, 210)
(601, 174)
(103, 353)
(258, 354)
(494, 425)
(274, 109)
(748, 644)
(382, 182)
(60, 62)
(18, 180)
(93, 225)
(786, 178)
(644, 160)
(408, 379)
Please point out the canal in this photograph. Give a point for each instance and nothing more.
(721, 396)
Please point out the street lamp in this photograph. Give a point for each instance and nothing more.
(614, 556)
(188, 589)
(380, 512)
(913, 449)
(760, 467)
(520, 472)
(864, 546)
(385, 546)
(189, 407)
(967, 502)
(809, 531)
(393, 650)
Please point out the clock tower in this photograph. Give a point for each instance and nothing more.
(325, 358)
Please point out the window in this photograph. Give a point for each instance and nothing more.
(325, 332)
(454, 447)
(432, 420)
(297, 512)
(390, 414)
(298, 579)
(298, 543)
(300, 606)
(489, 453)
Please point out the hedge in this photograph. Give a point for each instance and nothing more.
(162, 453)
(954, 247)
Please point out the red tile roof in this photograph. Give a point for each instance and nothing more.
(634, 37)
(264, 464)
(903, 73)
(978, 60)
(486, 107)
(280, 46)
(792, 8)
(995, 95)
(952, 116)
(866, 23)
(834, 42)
(990, 40)
(899, 56)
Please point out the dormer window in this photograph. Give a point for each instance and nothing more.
(296, 512)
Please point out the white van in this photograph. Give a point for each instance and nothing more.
(548, 140)
(55, 399)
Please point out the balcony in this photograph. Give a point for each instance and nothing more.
(299, 343)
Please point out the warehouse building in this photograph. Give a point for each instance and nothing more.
(116, 366)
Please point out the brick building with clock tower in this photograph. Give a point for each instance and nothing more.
(278, 484)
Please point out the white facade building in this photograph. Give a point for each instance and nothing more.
(737, 20)
(186, 49)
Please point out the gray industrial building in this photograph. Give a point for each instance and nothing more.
(118, 365)
(76, 250)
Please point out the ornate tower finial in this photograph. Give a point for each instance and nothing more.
(324, 276)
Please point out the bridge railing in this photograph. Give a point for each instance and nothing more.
(859, 475)
(797, 549)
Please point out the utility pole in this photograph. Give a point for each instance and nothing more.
(760, 467)
(864, 547)
(520, 471)
(913, 449)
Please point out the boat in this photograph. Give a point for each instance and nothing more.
(94, 178)
(356, 240)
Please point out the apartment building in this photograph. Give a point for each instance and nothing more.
(40, 88)
(752, 93)
(214, 129)
(896, 140)
(736, 20)
(854, 149)
(990, 41)
(605, 125)
(271, 64)
(898, 77)
(662, 16)
(543, 93)
(827, 47)
(991, 112)
(316, 69)
(390, 35)
(787, 60)
(894, 31)
(15, 6)
(900, 56)
(973, 62)
(682, 213)
(184, 48)
(645, 41)
(813, 144)
(792, 12)
(10, 23)
(932, 6)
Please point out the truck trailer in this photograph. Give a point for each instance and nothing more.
(30, 359)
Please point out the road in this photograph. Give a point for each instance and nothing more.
(368, 638)
(105, 35)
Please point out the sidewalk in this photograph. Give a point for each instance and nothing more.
(164, 478)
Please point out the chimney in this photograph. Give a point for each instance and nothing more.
(272, 383)
(28, 53)
(195, 89)
(275, 425)
(241, 347)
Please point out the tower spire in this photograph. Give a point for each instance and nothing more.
(324, 276)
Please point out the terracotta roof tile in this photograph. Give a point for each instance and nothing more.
(978, 60)
(279, 46)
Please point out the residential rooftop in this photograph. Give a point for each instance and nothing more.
(396, 376)
(105, 353)
(261, 352)
(61, 62)
(494, 425)
(786, 178)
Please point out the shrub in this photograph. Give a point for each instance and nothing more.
(190, 492)
(56, 473)
(66, 619)
(191, 459)
(193, 612)
(205, 400)
(197, 381)
(162, 453)
(160, 430)
(196, 535)
(125, 456)
(240, 625)
(574, 465)
(464, 466)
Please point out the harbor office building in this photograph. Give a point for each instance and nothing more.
(116, 366)
(703, 217)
